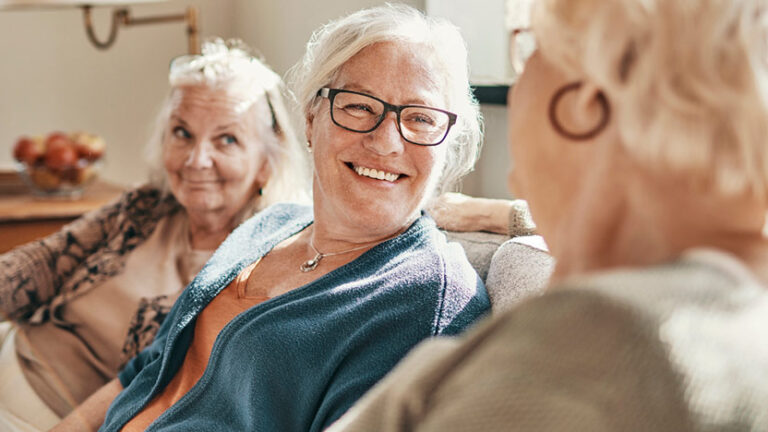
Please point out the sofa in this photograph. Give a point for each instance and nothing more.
(512, 268)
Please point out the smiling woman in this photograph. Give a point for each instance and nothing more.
(213, 156)
(302, 309)
(223, 144)
(83, 301)
(351, 162)
(380, 163)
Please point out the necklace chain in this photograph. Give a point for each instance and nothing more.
(311, 264)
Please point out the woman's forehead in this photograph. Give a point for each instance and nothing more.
(219, 100)
(406, 71)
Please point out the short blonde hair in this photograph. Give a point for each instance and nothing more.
(690, 76)
(223, 65)
(331, 46)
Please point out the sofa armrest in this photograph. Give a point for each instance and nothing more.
(479, 247)
(520, 268)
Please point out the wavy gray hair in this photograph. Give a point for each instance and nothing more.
(331, 46)
(223, 65)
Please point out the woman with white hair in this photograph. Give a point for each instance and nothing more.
(639, 134)
(83, 301)
(301, 309)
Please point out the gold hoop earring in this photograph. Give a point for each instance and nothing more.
(578, 136)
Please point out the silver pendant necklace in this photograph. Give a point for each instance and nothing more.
(311, 264)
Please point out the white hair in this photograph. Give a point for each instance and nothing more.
(226, 65)
(691, 78)
(331, 46)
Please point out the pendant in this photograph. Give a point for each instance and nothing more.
(310, 265)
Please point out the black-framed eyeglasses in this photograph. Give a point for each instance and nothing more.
(360, 112)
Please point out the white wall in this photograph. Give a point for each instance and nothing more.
(490, 176)
(51, 78)
(281, 29)
(482, 23)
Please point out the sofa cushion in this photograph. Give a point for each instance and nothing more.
(519, 268)
(479, 247)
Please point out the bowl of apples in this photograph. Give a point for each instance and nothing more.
(59, 164)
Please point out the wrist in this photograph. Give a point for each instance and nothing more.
(519, 222)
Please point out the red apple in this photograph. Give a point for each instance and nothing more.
(60, 153)
(56, 139)
(28, 151)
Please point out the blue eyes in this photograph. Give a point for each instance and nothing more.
(358, 108)
(180, 132)
(228, 139)
(221, 140)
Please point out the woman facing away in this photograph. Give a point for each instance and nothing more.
(639, 136)
(83, 301)
(301, 309)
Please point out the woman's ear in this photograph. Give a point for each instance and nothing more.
(308, 127)
(579, 111)
(265, 173)
(587, 104)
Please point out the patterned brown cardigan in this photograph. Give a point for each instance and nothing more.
(38, 278)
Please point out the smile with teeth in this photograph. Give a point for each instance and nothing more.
(375, 174)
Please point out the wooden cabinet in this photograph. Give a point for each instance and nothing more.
(25, 217)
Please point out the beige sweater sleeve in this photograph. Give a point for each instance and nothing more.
(566, 361)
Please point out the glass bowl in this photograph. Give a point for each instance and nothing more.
(65, 183)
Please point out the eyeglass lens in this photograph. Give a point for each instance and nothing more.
(361, 113)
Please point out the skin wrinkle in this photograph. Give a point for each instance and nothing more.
(357, 203)
(212, 154)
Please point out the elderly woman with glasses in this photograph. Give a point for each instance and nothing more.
(83, 301)
(639, 135)
(302, 309)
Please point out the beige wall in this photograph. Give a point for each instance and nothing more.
(51, 78)
(281, 29)
(482, 25)
(490, 176)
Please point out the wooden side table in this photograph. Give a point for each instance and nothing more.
(25, 217)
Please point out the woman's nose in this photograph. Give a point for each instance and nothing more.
(386, 138)
(200, 156)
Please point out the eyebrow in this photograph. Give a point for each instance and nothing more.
(362, 89)
(179, 119)
(231, 126)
